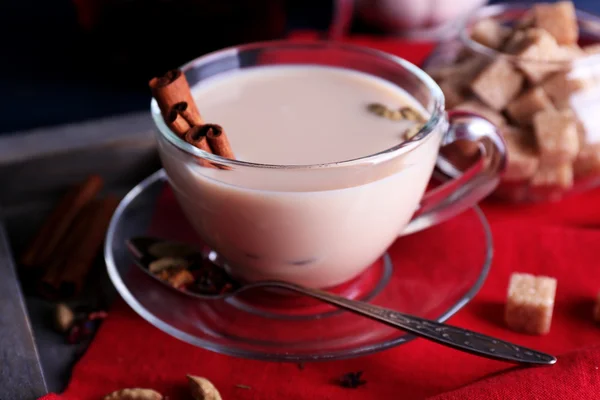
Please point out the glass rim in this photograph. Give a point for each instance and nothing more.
(405, 146)
(492, 10)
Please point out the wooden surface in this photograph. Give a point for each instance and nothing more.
(35, 169)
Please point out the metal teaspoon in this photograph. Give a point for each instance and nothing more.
(447, 335)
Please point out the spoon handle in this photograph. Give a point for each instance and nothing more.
(458, 338)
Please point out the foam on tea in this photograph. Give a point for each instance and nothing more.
(292, 115)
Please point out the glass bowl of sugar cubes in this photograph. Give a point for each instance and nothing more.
(534, 71)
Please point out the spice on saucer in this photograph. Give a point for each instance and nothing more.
(180, 279)
(212, 279)
(166, 263)
(352, 380)
(187, 270)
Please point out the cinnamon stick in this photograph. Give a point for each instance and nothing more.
(72, 261)
(217, 140)
(183, 109)
(57, 224)
(173, 95)
(196, 136)
(177, 123)
(80, 260)
(49, 284)
(170, 89)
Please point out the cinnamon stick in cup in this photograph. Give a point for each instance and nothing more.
(174, 97)
(177, 123)
(196, 136)
(170, 89)
(56, 226)
(182, 108)
(217, 139)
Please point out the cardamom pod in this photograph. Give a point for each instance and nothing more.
(180, 278)
(411, 115)
(63, 317)
(412, 131)
(134, 394)
(167, 263)
(203, 389)
(377, 108)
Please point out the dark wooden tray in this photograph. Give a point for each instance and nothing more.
(35, 169)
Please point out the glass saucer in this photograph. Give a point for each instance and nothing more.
(430, 274)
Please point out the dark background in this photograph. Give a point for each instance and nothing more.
(57, 65)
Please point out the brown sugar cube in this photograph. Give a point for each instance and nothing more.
(459, 73)
(466, 70)
(497, 84)
(490, 33)
(540, 55)
(572, 52)
(522, 109)
(515, 42)
(477, 107)
(558, 19)
(522, 156)
(441, 73)
(556, 134)
(581, 134)
(553, 176)
(562, 85)
(530, 303)
(452, 93)
(587, 161)
(526, 21)
(597, 308)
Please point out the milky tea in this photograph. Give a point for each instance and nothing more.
(317, 226)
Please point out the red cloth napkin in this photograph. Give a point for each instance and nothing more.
(557, 239)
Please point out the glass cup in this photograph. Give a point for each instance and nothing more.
(322, 225)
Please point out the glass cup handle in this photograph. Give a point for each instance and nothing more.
(464, 189)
